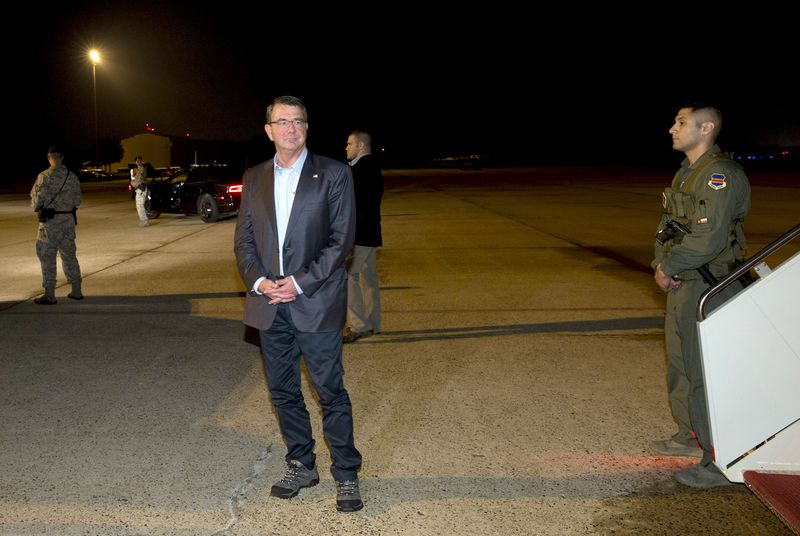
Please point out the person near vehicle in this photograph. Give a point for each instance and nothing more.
(295, 226)
(363, 297)
(56, 196)
(139, 183)
(709, 196)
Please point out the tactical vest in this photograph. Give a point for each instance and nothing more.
(681, 204)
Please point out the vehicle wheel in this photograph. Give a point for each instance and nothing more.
(207, 208)
(151, 214)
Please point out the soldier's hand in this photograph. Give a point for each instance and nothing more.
(664, 281)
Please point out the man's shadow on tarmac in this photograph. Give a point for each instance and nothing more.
(499, 330)
(128, 392)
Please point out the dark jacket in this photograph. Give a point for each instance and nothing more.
(368, 186)
(318, 238)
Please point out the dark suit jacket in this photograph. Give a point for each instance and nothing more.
(319, 236)
(368, 184)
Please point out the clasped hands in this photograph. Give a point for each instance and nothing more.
(279, 291)
(664, 281)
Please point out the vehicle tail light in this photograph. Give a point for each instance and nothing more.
(234, 189)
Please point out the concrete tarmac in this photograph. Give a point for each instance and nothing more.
(514, 390)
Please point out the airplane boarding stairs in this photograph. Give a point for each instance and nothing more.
(751, 366)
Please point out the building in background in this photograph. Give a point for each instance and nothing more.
(154, 149)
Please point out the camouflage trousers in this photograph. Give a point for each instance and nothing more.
(57, 236)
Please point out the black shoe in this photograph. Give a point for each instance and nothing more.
(351, 336)
(297, 477)
(348, 498)
(75, 296)
(45, 300)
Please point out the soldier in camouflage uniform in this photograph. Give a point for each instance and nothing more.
(709, 196)
(139, 183)
(57, 188)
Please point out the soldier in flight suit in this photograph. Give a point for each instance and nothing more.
(710, 196)
(57, 188)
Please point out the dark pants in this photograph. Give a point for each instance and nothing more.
(282, 346)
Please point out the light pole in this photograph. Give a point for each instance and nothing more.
(94, 57)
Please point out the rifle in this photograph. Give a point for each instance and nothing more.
(672, 228)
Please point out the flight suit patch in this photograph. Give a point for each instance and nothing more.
(717, 181)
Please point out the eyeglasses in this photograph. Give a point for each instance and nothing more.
(283, 123)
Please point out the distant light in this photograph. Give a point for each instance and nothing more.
(188, 135)
(94, 56)
(149, 128)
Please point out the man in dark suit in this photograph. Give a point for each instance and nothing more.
(363, 298)
(295, 227)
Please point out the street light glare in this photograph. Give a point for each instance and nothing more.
(94, 56)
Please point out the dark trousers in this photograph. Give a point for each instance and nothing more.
(282, 346)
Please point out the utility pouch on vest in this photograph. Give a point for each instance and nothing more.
(679, 204)
(45, 214)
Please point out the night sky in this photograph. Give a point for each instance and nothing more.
(518, 88)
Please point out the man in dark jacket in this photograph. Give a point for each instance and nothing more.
(294, 229)
(363, 298)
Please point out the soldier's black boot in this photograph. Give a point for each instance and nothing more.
(48, 298)
(76, 293)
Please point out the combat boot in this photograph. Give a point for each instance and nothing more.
(76, 293)
(48, 298)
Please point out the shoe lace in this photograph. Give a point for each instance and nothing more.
(292, 474)
(348, 487)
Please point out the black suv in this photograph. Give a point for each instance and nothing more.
(210, 191)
